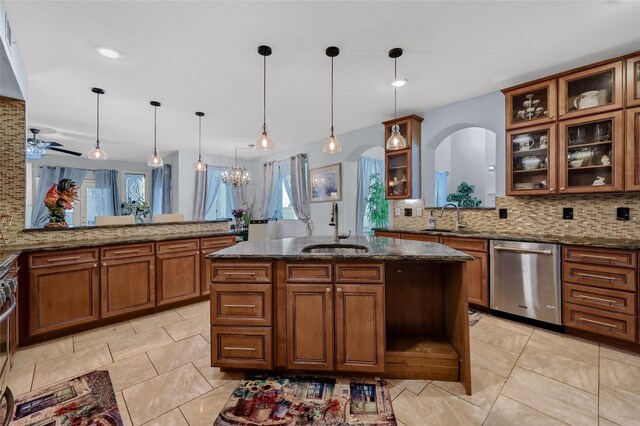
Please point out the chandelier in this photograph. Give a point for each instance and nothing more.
(237, 176)
(35, 151)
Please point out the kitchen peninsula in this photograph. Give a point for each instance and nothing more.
(392, 308)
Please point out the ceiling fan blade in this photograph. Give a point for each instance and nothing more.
(51, 143)
(66, 151)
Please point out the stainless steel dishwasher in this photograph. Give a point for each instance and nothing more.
(525, 280)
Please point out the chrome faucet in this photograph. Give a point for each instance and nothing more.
(459, 225)
(334, 222)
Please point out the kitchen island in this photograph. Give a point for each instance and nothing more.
(369, 306)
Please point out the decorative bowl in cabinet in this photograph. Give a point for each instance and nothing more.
(530, 163)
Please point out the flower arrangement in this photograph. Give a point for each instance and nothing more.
(59, 198)
(238, 213)
(140, 209)
(74, 415)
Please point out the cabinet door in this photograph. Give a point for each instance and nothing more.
(360, 334)
(421, 237)
(127, 285)
(477, 281)
(310, 326)
(591, 91)
(177, 276)
(531, 161)
(531, 105)
(633, 81)
(632, 165)
(591, 154)
(63, 296)
(398, 174)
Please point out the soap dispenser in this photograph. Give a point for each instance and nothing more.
(431, 221)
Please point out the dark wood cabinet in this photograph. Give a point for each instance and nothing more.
(62, 296)
(633, 81)
(208, 246)
(127, 285)
(402, 166)
(177, 271)
(310, 329)
(531, 105)
(632, 166)
(360, 327)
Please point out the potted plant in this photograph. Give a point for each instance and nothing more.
(238, 214)
(377, 206)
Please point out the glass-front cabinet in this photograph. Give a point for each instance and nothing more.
(402, 166)
(531, 105)
(633, 81)
(398, 174)
(591, 154)
(531, 161)
(591, 91)
(633, 150)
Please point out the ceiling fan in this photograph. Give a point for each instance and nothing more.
(36, 148)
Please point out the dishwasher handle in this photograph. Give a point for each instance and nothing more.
(523, 250)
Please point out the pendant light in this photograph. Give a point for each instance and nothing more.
(97, 153)
(155, 160)
(199, 165)
(264, 141)
(396, 140)
(332, 145)
(237, 176)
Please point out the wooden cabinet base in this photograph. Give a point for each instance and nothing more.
(416, 358)
(242, 347)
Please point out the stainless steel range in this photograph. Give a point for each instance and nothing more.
(8, 303)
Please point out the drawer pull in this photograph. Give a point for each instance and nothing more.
(233, 348)
(601, 277)
(595, 256)
(606, 324)
(519, 250)
(126, 251)
(597, 299)
(179, 247)
(233, 274)
(239, 306)
(63, 259)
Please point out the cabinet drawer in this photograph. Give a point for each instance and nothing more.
(610, 300)
(242, 347)
(360, 273)
(176, 246)
(596, 256)
(387, 234)
(421, 237)
(599, 276)
(240, 272)
(62, 257)
(473, 244)
(119, 252)
(241, 304)
(309, 273)
(209, 245)
(605, 323)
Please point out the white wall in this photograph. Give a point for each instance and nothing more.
(13, 76)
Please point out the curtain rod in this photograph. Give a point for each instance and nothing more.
(302, 154)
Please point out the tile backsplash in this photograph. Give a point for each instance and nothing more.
(593, 215)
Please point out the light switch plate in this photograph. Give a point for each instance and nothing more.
(419, 211)
(397, 211)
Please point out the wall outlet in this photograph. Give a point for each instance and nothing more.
(419, 211)
(567, 213)
(622, 213)
(408, 212)
(396, 211)
(502, 213)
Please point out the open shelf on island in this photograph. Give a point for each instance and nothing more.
(433, 356)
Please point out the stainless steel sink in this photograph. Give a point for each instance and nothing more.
(335, 248)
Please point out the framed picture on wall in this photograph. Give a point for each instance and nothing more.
(326, 183)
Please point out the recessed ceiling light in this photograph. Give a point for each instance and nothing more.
(399, 82)
(109, 53)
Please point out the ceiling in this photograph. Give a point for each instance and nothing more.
(201, 56)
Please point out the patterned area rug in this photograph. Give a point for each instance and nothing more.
(474, 317)
(84, 400)
(300, 400)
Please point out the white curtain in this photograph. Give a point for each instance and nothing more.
(107, 197)
(270, 178)
(298, 190)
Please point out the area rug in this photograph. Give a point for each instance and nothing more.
(474, 317)
(84, 400)
(301, 400)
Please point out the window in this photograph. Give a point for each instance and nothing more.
(222, 204)
(134, 187)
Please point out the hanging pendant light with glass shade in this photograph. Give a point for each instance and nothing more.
(264, 141)
(97, 153)
(396, 140)
(237, 176)
(155, 160)
(332, 145)
(199, 165)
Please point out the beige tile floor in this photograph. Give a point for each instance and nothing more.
(522, 375)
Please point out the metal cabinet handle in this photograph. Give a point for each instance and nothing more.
(601, 277)
(233, 348)
(104, 263)
(95, 265)
(339, 290)
(606, 324)
(328, 289)
(179, 247)
(233, 274)
(597, 299)
(126, 251)
(239, 306)
(519, 250)
(595, 256)
(63, 259)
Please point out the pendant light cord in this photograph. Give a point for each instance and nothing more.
(98, 120)
(199, 138)
(395, 91)
(264, 95)
(155, 125)
(332, 96)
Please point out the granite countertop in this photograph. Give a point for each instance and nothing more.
(129, 225)
(8, 254)
(551, 239)
(379, 249)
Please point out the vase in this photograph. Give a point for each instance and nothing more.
(239, 222)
